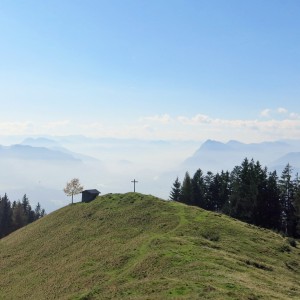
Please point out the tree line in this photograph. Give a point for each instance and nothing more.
(249, 193)
(16, 214)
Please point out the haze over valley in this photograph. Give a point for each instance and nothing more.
(41, 166)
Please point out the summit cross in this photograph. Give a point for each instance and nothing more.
(134, 182)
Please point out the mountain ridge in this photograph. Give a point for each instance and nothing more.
(27, 152)
(216, 156)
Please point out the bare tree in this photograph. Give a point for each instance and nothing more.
(73, 188)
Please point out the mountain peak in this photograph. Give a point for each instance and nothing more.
(213, 145)
(234, 142)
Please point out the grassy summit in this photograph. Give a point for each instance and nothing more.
(133, 246)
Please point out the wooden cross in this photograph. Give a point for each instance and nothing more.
(134, 182)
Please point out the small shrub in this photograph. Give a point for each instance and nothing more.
(292, 265)
(292, 242)
(284, 248)
(258, 265)
(211, 235)
(254, 297)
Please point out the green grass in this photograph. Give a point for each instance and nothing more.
(133, 246)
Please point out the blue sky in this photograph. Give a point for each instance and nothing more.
(151, 69)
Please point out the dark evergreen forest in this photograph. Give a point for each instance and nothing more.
(17, 214)
(249, 193)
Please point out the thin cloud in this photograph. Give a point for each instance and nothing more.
(206, 120)
(57, 124)
(203, 121)
(15, 128)
(92, 126)
(282, 110)
(198, 119)
(294, 116)
(166, 127)
(162, 119)
(265, 113)
(268, 113)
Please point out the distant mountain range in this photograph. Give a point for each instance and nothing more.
(217, 156)
(26, 152)
(293, 158)
(41, 166)
(55, 147)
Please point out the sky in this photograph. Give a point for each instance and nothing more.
(157, 70)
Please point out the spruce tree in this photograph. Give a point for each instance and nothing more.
(234, 188)
(295, 219)
(245, 191)
(297, 212)
(223, 200)
(175, 193)
(211, 192)
(16, 215)
(186, 190)
(19, 216)
(218, 191)
(272, 214)
(27, 210)
(260, 207)
(248, 193)
(5, 216)
(286, 199)
(198, 189)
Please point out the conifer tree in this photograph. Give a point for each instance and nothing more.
(295, 218)
(175, 193)
(211, 191)
(186, 190)
(5, 216)
(260, 207)
(245, 191)
(234, 184)
(19, 216)
(224, 191)
(272, 215)
(218, 191)
(297, 212)
(286, 199)
(248, 193)
(16, 215)
(26, 209)
(198, 189)
(38, 211)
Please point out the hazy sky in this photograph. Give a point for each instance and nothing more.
(151, 69)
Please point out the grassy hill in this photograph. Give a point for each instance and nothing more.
(133, 246)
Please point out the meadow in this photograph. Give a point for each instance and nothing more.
(135, 246)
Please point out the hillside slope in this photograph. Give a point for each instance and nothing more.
(133, 246)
